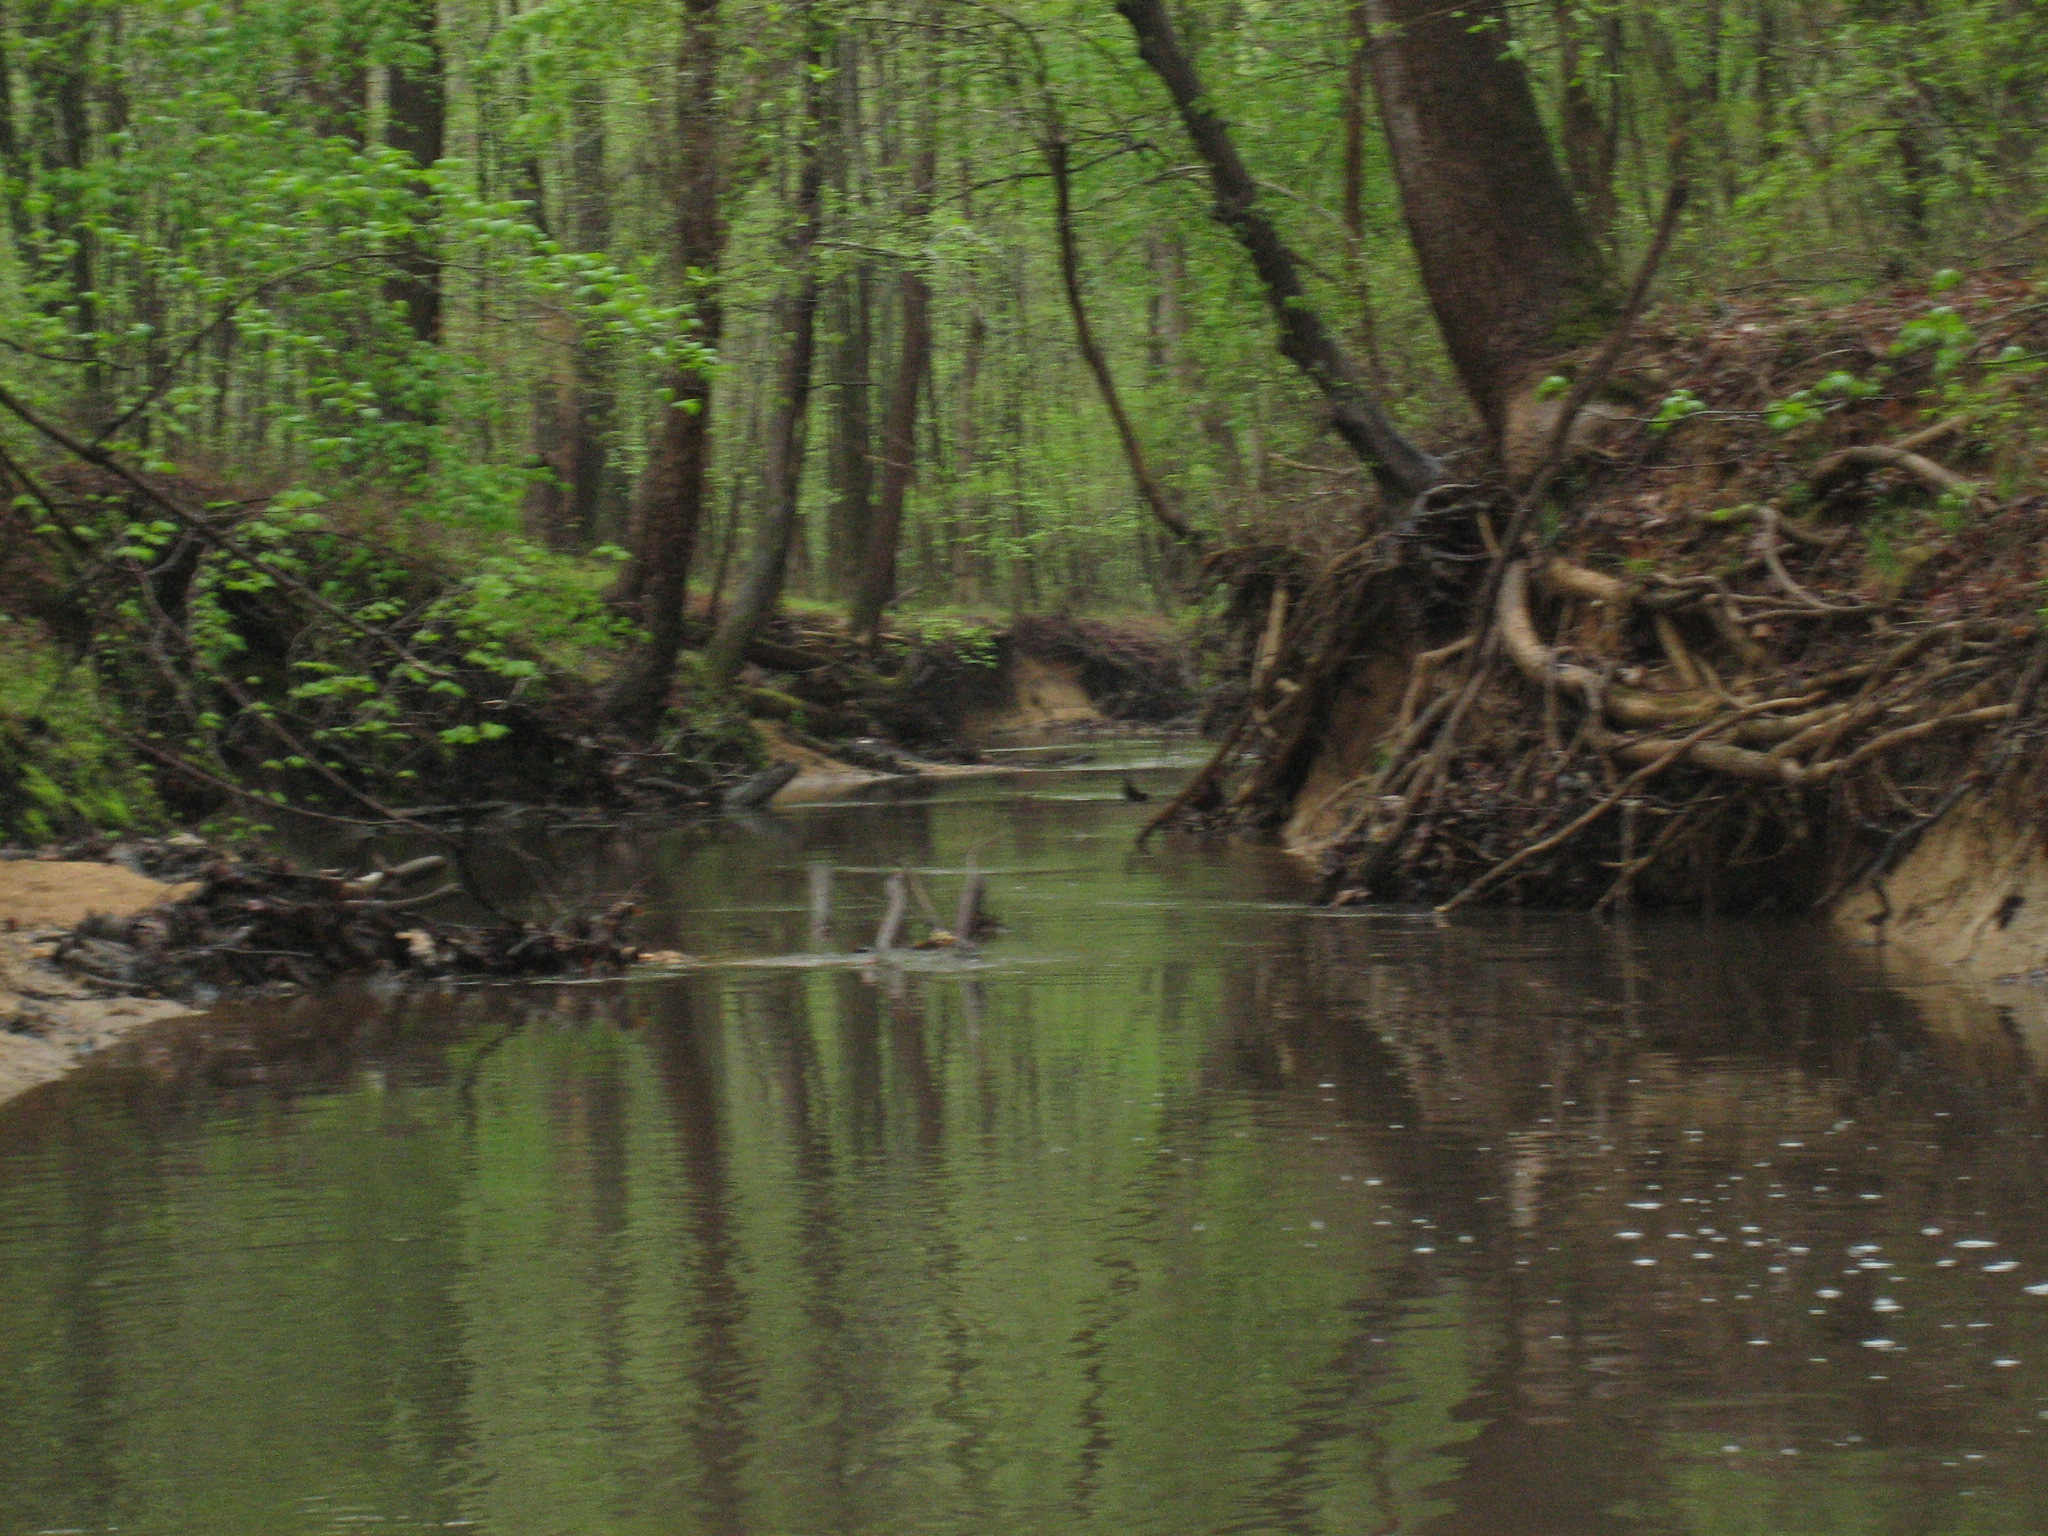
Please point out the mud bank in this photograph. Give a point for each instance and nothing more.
(1971, 897)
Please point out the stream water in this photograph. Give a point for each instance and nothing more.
(1181, 1208)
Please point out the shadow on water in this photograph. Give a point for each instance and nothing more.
(1185, 1209)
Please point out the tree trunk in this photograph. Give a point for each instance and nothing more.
(669, 503)
(850, 458)
(782, 478)
(899, 445)
(1513, 274)
(877, 587)
(1357, 77)
(416, 103)
(595, 488)
(1150, 491)
(1401, 467)
(1591, 137)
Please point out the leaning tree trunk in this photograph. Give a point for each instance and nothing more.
(782, 479)
(669, 504)
(1515, 277)
(1150, 490)
(1399, 465)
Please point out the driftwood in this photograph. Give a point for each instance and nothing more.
(253, 924)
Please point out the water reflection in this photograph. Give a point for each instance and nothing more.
(1189, 1211)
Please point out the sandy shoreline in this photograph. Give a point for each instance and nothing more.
(50, 1019)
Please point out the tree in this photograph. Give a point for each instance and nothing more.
(669, 503)
(1514, 275)
(782, 476)
(907, 382)
(1401, 467)
(416, 123)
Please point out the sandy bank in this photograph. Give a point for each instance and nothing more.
(50, 1020)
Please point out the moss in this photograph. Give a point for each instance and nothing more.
(63, 769)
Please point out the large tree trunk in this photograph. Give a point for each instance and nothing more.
(1399, 465)
(1515, 277)
(782, 478)
(416, 106)
(669, 504)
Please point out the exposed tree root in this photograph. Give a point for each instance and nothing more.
(1747, 690)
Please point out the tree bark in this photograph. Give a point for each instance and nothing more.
(669, 503)
(1401, 467)
(1513, 274)
(782, 480)
(416, 102)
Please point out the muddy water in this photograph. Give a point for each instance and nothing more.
(1181, 1209)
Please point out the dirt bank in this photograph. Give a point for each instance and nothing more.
(1971, 896)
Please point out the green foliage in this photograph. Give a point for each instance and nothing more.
(966, 641)
(1679, 406)
(63, 770)
(1940, 331)
(1806, 406)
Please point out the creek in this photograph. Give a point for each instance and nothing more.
(1180, 1207)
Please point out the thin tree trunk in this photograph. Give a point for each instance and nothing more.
(782, 479)
(899, 449)
(851, 458)
(1401, 467)
(1150, 491)
(669, 503)
(1589, 138)
(877, 587)
(1513, 274)
(1357, 78)
(416, 103)
(851, 452)
(595, 488)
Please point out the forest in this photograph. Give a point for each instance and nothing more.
(410, 401)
